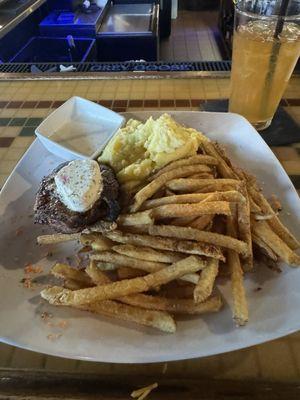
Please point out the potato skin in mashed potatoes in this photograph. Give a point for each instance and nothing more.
(139, 148)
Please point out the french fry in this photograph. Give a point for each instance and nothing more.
(106, 266)
(204, 287)
(240, 307)
(263, 231)
(155, 319)
(139, 392)
(198, 159)
(204, 175)
(97, 276)
(139, 218)
(214, 151)
(192, 210)
(176, 306)
(129, 273)
(202, 236)
(202, 222)
(60, 296)
(232, 196)
(275, 223)
(161, 180)
(244, 228)
(147, 253)
(264, 247)
(125, 261)
(175, 290)
(57, 238)
(65, 271)
(203, 185)
(182, 221)
(148, 266)
(181, 246)
(74, 285)
(96, 241)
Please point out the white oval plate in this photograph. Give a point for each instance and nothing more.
(274, 310)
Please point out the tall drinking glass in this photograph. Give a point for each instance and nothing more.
(266, 47)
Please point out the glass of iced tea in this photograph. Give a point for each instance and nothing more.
(266, 47)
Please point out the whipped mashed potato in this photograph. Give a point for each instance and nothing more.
(140, 148)
(79, 184)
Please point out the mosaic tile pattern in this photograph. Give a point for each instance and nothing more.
(22, 107)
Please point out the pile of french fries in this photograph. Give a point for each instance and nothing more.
(191, 222)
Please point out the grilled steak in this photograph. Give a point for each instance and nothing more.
(49, 209)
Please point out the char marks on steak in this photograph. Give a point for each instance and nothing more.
(49, 210)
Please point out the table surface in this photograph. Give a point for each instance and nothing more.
(24, 104)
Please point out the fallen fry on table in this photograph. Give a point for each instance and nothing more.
(139, 392)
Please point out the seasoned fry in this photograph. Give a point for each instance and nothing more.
(191, 210)
(148, 266)
(275, 223)
(74, 285)
(198, 159)
(202, 236)
(125, 261)
(182, 221)
(240, 307)
(57, 238)
(204, 287)
(139, 218)
(59, 296)
(264, 247)
(147, 253)
(156, 319)
(263, 231)
(232, 195)
(139, 392)
(128, 273)
(65, 271)
(96, 241)
(204, 185)
(176, 306)
(204, 175)
(97, 276)
(175, 290)
(161, 180)
(202, 222)
(181, 246)
(244, 228)
(106, 266)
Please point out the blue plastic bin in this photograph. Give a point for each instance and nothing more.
(44, 49)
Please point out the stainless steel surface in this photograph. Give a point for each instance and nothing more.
(8, 22)
(127, 18)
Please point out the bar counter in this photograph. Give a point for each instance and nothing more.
(24, 104)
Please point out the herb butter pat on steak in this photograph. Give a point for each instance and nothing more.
(77, 194)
